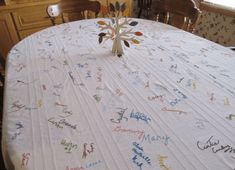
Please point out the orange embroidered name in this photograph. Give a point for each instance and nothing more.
(140, 133)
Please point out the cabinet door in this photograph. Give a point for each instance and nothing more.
(26, 33)
(31, 17)
(8, 34)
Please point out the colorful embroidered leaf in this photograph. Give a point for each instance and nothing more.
(102, 34)
(138, 33)
(101, 23)
(135, 41)
(111, 8)
(133, 23)
(100, 39)
(126, 43)
(123, 7)
(117, 6)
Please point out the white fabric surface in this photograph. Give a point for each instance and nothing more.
(167, 103)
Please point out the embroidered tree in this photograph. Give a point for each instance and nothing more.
(114, 29)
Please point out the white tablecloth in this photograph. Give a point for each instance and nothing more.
(167, 103)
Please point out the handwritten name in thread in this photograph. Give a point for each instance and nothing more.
(174, 68)
(173, 110)
(155, 138)
(119, 92)
(156, 97)
(208, 144)
(200, 123)
(139, 158)
(21, 82)
(211, 97)
(140, 116)
(180, 97)
(99, 74)
(226, 101)
(25, 159)
(214, 145)
(74, 168)
(97, 97)
(92, 164)
(85, 65)
(192, 83)
(161, 160)
(19, 126)
(120, 112)
(60, 104)
(180, 80)
(180, 94)
(40, 103)
(66, 113)
(146, 85)
(17, 106)
(138, 133)
(87, 149)
(133, 72)
(65, 62)
(174, 102)
(68, 145)
(230, 117)
(61, 123)
(19, 67)
(88, 74)
(74, 80)
(44, 87)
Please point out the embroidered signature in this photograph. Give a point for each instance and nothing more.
(140, 116)
(139, 157)
(213, 143)
(120, 112)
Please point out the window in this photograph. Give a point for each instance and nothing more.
(228, 3)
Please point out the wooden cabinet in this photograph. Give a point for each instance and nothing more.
(18, 21)
(33, 17)
(21, 18)
(8, 33)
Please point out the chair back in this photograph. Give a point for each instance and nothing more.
(73, 10)
(144, 5)
(53, 11)
(182, 14)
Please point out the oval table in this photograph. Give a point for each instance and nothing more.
(167, 103)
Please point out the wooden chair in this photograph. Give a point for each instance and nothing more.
(182, 14)
(144, 5)
(53, 12)
(232, 48)
(73, 10)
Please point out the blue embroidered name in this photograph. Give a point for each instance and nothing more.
(92, 164)
(139, 153)
(140, 116)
